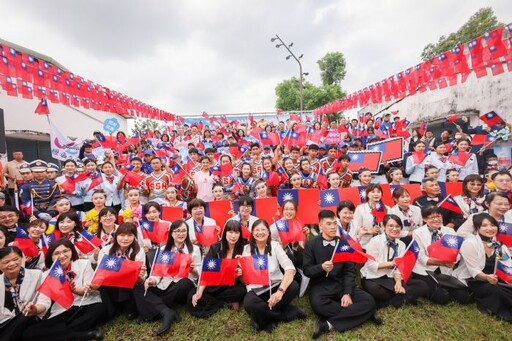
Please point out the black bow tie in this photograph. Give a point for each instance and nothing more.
(432, 199)
(331, 242)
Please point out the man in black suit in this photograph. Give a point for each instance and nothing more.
(9, 218)
(432, 197)
(333, 292)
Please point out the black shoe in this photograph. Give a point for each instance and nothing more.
(376, 319)
(320, 327)
(169, 317)
(95, 334)
(295, 313)
(269, 328)
(139, 320)
(255, 324)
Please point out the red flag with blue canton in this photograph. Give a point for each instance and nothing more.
(379, 212)
(290, 230)
(88, 242)
(392, 149)
(345, 253)
(219, 211)
(206, 235)
(449, 204)
(255, 269)
(115, 271)
(491, 118)
(56, 287)
(351, 194)
(46, 240)
(42, 107)
(156, 231)
(505, 233)
(306, 201)
(329, 199)
(364, 159)
(24, 243)
(351, 241)
(406, 263)
(446, 248)
(504, 272)
(218, 271)
(171, 264)
(265, 208)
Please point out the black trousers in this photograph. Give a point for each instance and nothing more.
(443, 295)
(327, 304)
(14, 328)
(156, 300)
(257, 306)
(117, 300)
(214, 298)
(73, 324)
(382, 291)
(492, 299)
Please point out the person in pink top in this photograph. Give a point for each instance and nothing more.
(204, 180)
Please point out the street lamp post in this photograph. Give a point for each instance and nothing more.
(301, 88)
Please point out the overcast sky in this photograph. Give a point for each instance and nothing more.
(191, 56)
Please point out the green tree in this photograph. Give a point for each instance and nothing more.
(288, 95)
(332, 68)
(482, 21)
(145, 124)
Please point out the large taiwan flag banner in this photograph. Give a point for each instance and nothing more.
(266, 208)
(446, 248)
(56, 287)
(392, 149)
(115, 271)
(255, 269)
(329, 199)
(306, 201)
(171, 213)
(290, 231)
(406, 263)
(364, 159)
(219, 211)
(352, 194)
(218, 271)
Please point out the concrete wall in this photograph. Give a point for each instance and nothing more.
(474, 97)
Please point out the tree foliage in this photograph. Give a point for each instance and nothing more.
(141, 125)
(482, 21)
(332, 68)
(288, 95)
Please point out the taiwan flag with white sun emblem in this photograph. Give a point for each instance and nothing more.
(306, 201)
(446, 249)
(218, 271)
(171, 264)
(290, 230)
(255, 269)
(329, 199)
(56, 287)
(364, 159)
(115, 271)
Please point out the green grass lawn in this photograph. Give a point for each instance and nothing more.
(424, 322)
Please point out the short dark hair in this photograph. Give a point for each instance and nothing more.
(394, 217)
(429, 210)
(326, 214)
(48, 261)
(5, 251)
(345, 204)
(9, 208)
(245, 200)
(501, 172)
(428, 179)
(195, 203)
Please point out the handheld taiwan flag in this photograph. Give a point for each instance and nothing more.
(265, 208)
(379, 212)
(56, 287)
(345, 253)
(134, 179)
(42, 107)
(24, 243)
(169, 213)
(449, 204)
(219, 211)
(156, 231)
(46, 240)
(392, 149)
(504, 272)
(115, 271)
(446, 248)
(505, 233)
(452, 118)
(255, 269)
(88, 243)
(460, 158)
(351, 241)
(329, 199)
(290, 230)
(206, 235)
(218, 271)
(171, 264)
(491, 118)
(406, 263)
(364, 159)
(352, 194)
(423, 128)
(306, 201)
(418, 157)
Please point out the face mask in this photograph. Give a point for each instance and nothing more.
(492, 163)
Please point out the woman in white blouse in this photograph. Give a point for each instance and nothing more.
(380, 278)
(365, 224)
(160, 293)
(81, 320)
(415, 170)
(479, 254)
(472, 198)
(439, 160)
(197, 208)
(471, 165)
(264, 307)
(18, 288)
(409, 214)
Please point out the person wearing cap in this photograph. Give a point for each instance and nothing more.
(146, 164)
(87, 152)
(52, 171)
(37, 201)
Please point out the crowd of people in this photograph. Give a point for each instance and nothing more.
(120, 185)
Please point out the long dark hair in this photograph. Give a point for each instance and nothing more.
(472, 178)
(252, 241)
(147, 206)
(235, 226)
(48, 261)
(128, 228)
(170, 241)
(74, 217)
(103, 212)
